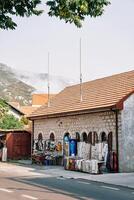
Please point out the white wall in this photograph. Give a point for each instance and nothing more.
(126, 139)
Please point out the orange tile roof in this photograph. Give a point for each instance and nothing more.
(15, 104)
(40, 99)
(101, 93)
(27, 110)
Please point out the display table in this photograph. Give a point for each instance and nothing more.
(79, 164)
(38, 159)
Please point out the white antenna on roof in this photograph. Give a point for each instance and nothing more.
(48, 103)
(81, 98)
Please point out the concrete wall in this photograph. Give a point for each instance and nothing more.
(98, 122)
(126, 137)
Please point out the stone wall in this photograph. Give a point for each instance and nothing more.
(126, 137)
(97, 122)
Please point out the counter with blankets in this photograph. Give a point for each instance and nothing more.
(79, 164)
(90, 158)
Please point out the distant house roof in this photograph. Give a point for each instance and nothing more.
(37, 101)
(27, 110)
(15, 104)
(108, 92)
(15, 108)
(40, 99)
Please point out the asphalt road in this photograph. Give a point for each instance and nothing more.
(50, 188)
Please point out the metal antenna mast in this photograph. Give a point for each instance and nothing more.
(48, 81)
(81, 98)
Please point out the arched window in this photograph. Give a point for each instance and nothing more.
(40, 137)
(39, 143)
(84, 137)
(77, 137)
(52, 137)
(90, 137)
(110, 141)
(103, 137)
(66, 136)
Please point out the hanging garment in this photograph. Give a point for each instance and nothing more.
(40, 145)
(73, 147)
(111, 161)
(108, 166)
(95, 152)
(83, 150)
(105, 152)
(66, 148)
(100, 147)
(115, 162)
(79, 149)
(59, 146)
(4, 154)
(52, 146)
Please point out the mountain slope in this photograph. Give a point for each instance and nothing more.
(17, 85)
(11, 88)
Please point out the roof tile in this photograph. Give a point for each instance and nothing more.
(99, 93)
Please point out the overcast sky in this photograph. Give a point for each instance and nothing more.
(107, 44)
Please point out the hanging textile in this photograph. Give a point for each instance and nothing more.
(94, 166)
(105, 151)
(100, 147)
(4, 154)
(66, 148)
(95, 152)
(83, 150)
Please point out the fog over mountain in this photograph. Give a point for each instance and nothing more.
(18, 85)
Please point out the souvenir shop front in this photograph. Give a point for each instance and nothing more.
(91, 153)
(47, 151)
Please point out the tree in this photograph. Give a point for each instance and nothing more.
(73, 11)
(3, 108)
(21, 8)
(10, 122)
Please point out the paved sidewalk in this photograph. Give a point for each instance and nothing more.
(120, 179)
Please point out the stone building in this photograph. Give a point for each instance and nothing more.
(106, 109)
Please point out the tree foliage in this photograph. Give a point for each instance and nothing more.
(24, 120)
(21, 8)
(73, 11)
(3, 108)
(8, 121)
